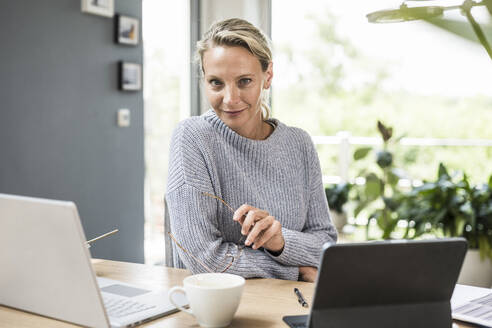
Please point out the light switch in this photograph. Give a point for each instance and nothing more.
(123, 118)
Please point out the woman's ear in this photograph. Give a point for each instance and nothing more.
(269, 76)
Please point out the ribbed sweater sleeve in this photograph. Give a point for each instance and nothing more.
(280, 175)
(197, 229)
(303, 248)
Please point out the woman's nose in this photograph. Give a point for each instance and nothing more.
(231, 96)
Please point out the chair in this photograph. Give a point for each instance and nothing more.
(168, 245)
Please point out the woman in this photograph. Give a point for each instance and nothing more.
(267, 173)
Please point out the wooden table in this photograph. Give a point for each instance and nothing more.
(264, 301)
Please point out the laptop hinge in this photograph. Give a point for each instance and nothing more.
(435, 315)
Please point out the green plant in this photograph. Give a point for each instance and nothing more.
(450, 206)
(337, 196)
(437, 205)
(479, 231)
(380, 190)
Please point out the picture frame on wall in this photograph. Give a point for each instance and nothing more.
(127, 30)
(130, 76)
(98, 7)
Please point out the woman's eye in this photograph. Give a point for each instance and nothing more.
(215, 83)
(244, 81)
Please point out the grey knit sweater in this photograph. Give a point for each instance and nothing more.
(280, 174)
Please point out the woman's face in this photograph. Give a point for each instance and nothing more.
(233, 83)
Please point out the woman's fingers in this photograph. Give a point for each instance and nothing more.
(266, 235)
(262, 229)
(240, 213)
(259, 230)
(277, 242)
(251, 218)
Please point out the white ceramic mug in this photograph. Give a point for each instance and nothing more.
(213, 297)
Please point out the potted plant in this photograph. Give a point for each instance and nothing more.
(337, 196)
(439, 206)
(380, 190)
(450, 206)
(477, 268)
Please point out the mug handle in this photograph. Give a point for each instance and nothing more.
(178, 289)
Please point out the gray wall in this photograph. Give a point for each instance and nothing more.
(58, 103)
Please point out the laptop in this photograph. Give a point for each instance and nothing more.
(401, 283)
(472, 304)
(46, 269)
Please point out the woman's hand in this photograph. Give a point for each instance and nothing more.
(308, 273)
(262, 229)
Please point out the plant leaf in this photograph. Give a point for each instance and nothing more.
(386, 132)
(439, 216)
(373, 187)
(390, 227)
(392, 178)
(442, 172)
(360, 207)
(483, 246)
(362, 152)
(459, 225)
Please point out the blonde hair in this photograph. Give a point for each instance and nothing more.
(240, 33)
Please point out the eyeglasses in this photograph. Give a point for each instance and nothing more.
(239, 246)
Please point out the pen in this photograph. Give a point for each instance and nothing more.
(300, 298)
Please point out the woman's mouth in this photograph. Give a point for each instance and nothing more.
(233, 112)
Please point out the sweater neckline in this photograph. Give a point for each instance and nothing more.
(224, 129)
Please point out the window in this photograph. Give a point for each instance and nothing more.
(334, 72)
(165, 33)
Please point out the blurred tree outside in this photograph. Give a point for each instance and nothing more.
(328, 83)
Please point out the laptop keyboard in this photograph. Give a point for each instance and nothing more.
(480, 308)
(120, 307)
